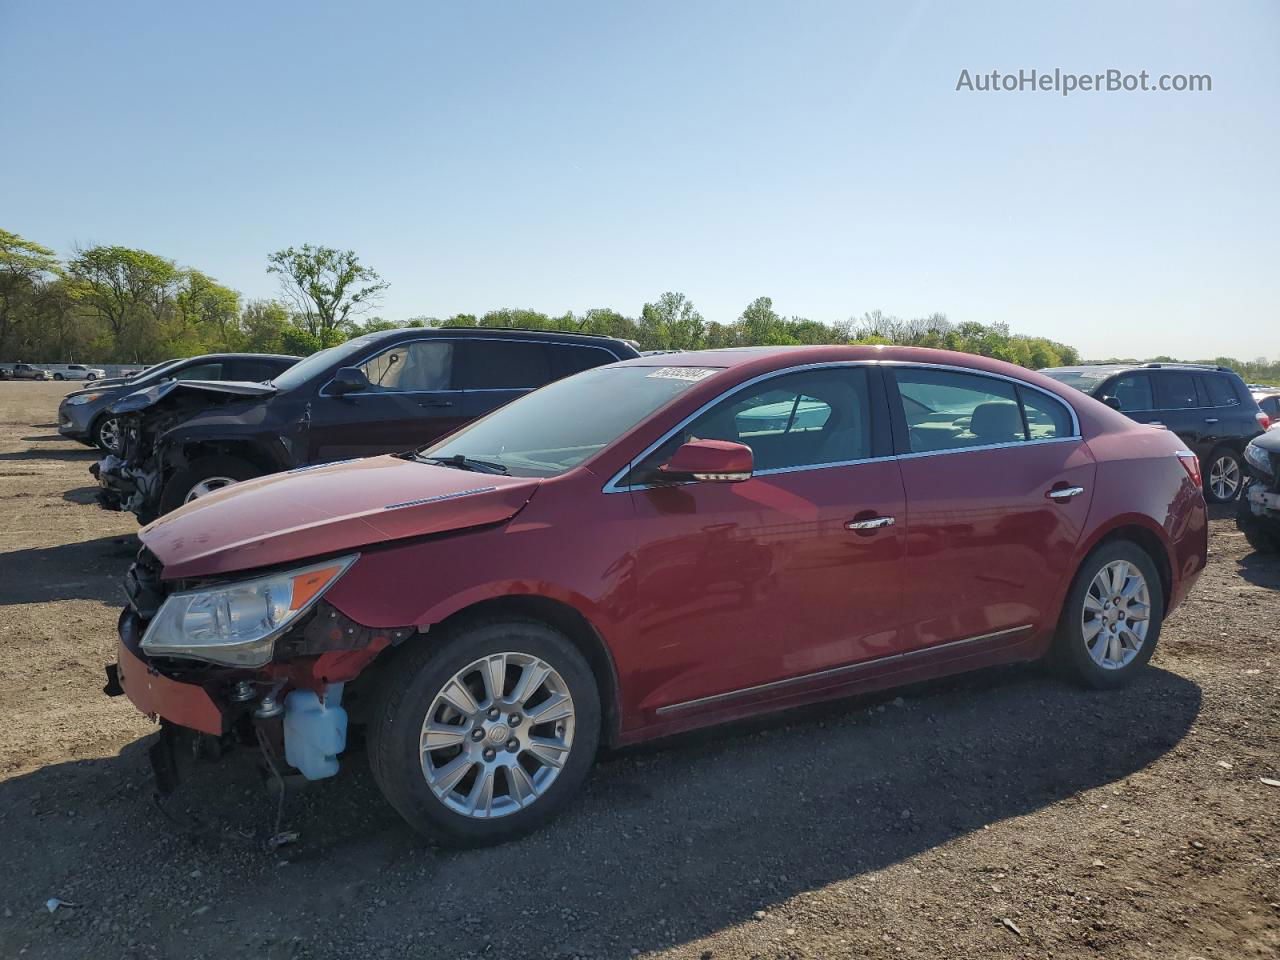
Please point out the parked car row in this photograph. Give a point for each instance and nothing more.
(643, 546)
(190, 431)
(69, 371)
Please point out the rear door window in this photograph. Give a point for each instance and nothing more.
(1176, 390)
(947, 410)
(1047, 418)
(503, 364)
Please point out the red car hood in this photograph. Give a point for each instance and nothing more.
(320, 510)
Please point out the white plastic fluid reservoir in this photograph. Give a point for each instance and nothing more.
(315, 732)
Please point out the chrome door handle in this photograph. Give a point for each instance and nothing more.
(1064, 493)
(1210, 419)
(872, 524)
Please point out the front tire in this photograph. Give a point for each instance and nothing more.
(487, 734)
(1111, 620)
(1223, 476)
(204, 476)
(106, 435)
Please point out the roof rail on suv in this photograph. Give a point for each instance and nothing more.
(1192, 366)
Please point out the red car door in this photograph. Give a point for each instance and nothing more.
(998, 485)
(751, 583)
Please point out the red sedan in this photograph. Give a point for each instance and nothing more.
(651, 546)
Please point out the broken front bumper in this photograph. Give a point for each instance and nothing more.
(186, 704)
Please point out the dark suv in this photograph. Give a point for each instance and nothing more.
(381, 393)
(1208, 407)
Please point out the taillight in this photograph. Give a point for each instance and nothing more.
(1191, 463)
(1264, 420)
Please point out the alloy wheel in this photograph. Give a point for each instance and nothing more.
(109, 435)
(497, 735)
(1116, 615)
(1224, 477)
(207, 486)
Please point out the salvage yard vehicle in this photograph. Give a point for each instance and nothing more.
(84, 415)
(25, 371)
(380, 393)
(1258, 513)
(635, 551)
(78, 371)
(1209, 407)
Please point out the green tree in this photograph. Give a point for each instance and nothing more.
(326, 287)
(24, 267)
(760, 325)
(671, 323)
(132, 291)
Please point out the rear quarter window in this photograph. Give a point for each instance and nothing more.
(1220, 390)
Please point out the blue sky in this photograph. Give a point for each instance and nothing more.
(563, 156)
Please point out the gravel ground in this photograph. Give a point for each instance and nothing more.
(1002, 814)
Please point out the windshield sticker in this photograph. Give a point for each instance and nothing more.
(692, 374)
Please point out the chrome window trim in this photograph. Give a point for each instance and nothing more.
(834, 671)
(615, 486)
(405, 343)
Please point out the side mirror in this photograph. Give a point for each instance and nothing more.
(1112, 402)
(715, 461)
(349, 380)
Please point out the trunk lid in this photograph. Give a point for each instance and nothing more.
(320, 510)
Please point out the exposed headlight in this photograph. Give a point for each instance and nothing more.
(1258, 458)
(236, 624)
(82, 398)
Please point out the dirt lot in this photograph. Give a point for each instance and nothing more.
(999, 815)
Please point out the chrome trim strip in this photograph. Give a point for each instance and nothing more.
(438, 498)
(834, 671)
(614, 484)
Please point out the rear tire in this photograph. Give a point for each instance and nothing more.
(1223, 476)
(1086, 649)
(58, 376)
(184, 484)
(1263, 533)
(490, 801)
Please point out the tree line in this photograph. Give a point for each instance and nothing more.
(118, 304)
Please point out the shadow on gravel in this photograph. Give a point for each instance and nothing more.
(46, 438)
(1261, 569)
(91, 570)
(82, 495)
(671, 842)
(83, 454)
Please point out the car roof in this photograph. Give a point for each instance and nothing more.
(764, 359)
(492, 333)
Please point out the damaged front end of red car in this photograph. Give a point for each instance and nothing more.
(280, 692)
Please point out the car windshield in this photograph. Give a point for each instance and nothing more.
(154, 373)
(554, 429)
(1082, 380)
(305, 369)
